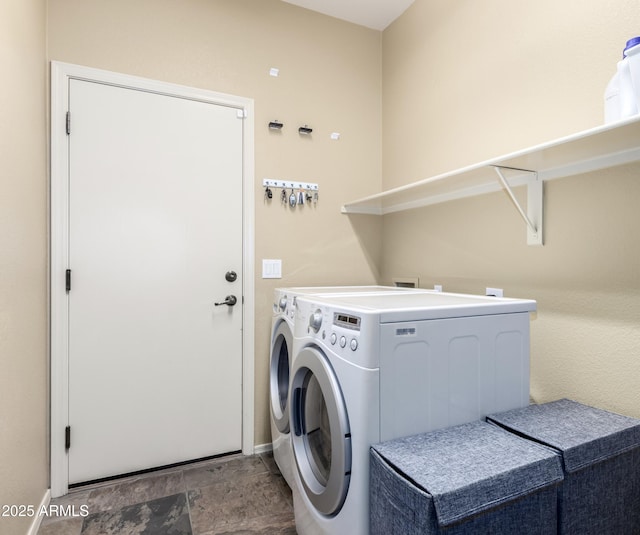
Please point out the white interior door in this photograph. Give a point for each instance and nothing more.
(155, 223)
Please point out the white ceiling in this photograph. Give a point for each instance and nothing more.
(376, 14)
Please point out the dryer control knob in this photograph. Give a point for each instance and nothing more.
(315, 320)
(353, 344)
(334, 338)
(283, 304)
(343, 341)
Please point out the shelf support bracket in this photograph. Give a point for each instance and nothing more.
(533, 216)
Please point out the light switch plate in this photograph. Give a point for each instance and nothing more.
(271, 268)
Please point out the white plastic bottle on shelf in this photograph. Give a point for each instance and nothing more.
(633, 56)
(622, 96)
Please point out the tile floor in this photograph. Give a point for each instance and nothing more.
(235, 494)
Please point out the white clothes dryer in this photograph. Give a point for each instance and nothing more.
(281, 357)
(372, 368)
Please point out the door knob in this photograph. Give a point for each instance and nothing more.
(231, 276)
(230, 300)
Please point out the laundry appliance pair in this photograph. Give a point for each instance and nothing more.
(369, 368)
(281, 357)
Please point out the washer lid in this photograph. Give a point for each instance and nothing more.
(424, 306)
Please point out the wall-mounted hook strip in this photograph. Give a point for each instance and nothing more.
(272, 183)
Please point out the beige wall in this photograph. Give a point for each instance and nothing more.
(23, 257)
(462, 82)
(467, 81)
(330, 79)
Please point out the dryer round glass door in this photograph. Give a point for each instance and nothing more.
(321, 437)
(279, 375)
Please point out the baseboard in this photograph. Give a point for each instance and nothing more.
(263, 448)
(37, 519)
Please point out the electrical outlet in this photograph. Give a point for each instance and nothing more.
(437, 287)
(494, 292)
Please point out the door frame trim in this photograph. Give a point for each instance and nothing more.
(61, 73)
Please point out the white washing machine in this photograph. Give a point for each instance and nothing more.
(373, 368)
(284, 305)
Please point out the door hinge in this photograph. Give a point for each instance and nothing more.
(67, 437)
(68, 122)
(67, 280)
(241, 114)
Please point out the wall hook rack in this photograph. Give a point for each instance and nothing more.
(305, 186)
(299, 192)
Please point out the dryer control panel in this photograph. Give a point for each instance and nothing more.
(339, 335)
(350, 333)
(346, 320)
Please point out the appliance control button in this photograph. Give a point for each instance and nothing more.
(354, 344)
(343, 341)
(334, 338)
(283, 304)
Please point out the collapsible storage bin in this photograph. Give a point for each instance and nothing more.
(470, 479)
(601, 456)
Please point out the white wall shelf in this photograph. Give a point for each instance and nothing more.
(598, 148)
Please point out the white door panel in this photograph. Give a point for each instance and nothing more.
(155, 223)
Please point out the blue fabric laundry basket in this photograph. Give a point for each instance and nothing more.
(466, 480)
(600, 450)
